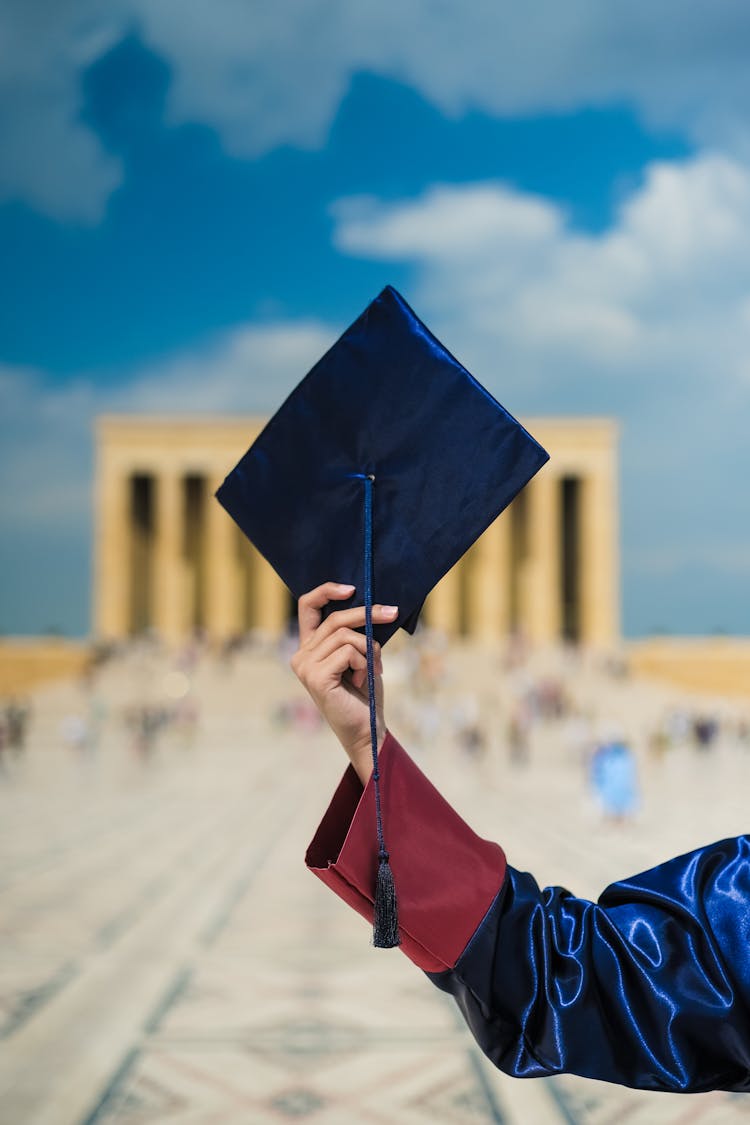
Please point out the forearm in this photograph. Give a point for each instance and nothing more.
(360, 755)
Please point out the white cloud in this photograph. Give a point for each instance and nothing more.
(436, 229)
(270, 74)
(647, 321)
(46, 430)
(250, 369)
(265, 75)
(666, 289)
(649, 316)
(48, 157)
(262, 74)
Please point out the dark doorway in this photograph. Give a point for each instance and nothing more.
(193, 547)
(141, 552)
(570, 558)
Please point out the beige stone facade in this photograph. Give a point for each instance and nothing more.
(28, 662)
(710, 665)
(169, 559)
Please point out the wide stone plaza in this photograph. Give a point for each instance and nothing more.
(165, 956)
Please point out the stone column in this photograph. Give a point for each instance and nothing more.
(169, 570)
(599, 582)
(541, 614)
(223, 615)
(488, 593)
(443, 606)
(270, 599)
(112, 553)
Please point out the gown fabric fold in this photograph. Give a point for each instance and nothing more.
(647, 987)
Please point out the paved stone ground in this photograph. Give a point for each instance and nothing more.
(165, 957)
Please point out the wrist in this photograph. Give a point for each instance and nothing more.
(360, 755)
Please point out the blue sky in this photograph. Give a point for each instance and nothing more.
(195, 201)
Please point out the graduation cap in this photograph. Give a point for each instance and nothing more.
(380, 469)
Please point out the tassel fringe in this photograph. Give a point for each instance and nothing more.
(385, 922)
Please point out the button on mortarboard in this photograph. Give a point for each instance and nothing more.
(380, 469)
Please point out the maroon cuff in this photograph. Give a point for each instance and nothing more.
(446, 876)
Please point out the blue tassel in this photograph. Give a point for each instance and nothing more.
(385, 921)
(385, 933)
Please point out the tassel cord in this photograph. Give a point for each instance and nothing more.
(382, 852)
(385, 933)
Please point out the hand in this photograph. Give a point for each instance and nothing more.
(331, 662)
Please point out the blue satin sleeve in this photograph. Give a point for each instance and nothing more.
(648, 987)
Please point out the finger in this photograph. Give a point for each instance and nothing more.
(329, 672)
(353, 618)
(358, 678)
(311, 603)
(306, 662)
(322, 646)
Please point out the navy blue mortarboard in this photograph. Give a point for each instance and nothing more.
(380, 469)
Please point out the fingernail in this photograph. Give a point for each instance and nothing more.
(344, 586)
(389, 610)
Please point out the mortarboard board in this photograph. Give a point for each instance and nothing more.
(380, 469)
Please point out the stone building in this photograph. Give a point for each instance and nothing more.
(169, 559)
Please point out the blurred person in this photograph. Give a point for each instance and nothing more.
(185, 718)
(678, 726)
(658, 741)
(648, 987)
(430, 670)
(75, 732)
(576, 737)
(97, 717)
(287, 645)
(3, 743)
(428, 723)
(614, 778)
(551, 700)
(189, 656)
(17, 716)
(467, 726)
(145, 721)
(519, 725)
(516, 652)
(306, 719)
(705, 731)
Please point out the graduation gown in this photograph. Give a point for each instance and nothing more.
(648, 987)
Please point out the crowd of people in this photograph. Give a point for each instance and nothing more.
(699, 728)
(498, 714)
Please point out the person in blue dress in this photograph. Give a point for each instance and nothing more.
(614, 778)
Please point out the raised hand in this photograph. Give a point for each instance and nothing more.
(331, 663)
